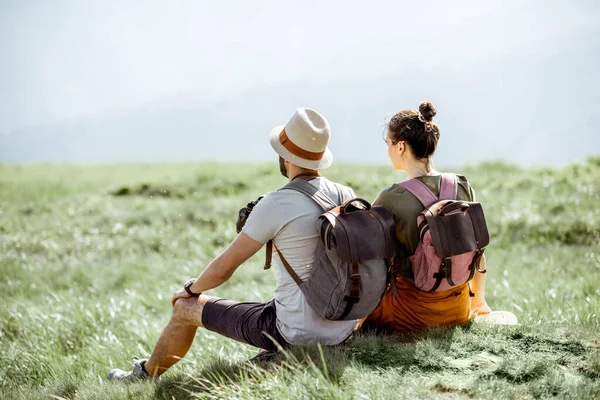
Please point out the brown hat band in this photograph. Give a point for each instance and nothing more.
(297, 151)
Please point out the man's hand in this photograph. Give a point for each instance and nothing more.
(180, 294)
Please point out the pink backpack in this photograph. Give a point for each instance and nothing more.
(452, 236)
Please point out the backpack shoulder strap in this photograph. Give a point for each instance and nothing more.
(420, 191)
(318, 197)
(448, 187)
(289, 268)
(315, 194)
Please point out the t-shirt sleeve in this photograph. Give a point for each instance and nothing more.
(472, 193)
(466, 186)
(264, 221)
(384, 199)
(346, 193)
(351, 193)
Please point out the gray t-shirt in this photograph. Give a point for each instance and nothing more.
(290, 219)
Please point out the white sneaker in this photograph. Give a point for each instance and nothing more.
(138, 373)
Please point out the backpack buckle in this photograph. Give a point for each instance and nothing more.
(355, 278)
(445, 262)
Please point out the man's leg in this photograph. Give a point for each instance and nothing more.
(241, 321)
(177, 337)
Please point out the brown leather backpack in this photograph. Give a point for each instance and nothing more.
(353, 259)
(452, 236)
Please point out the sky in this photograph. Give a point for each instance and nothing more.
(86, 62)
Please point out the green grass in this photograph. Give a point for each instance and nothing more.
(90, 255)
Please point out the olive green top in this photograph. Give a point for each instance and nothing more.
(405, 207)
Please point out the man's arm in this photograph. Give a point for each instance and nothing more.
(262, 225)
(224, 265)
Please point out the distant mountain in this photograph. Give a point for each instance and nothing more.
(540, 110)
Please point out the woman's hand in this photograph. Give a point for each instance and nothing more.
(180, 294)
(479, 306)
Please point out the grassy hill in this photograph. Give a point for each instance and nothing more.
(90, 255)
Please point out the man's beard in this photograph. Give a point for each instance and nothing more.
(282, 167)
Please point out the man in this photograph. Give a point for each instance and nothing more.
(289, 219)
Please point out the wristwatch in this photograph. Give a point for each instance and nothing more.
(188, 290)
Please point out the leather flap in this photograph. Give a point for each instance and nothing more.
(362, 234)
(459, 231)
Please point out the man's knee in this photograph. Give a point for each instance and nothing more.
(189, 310)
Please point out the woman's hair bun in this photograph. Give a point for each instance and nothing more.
(427, 110)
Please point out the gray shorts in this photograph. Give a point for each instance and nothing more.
(250, 323)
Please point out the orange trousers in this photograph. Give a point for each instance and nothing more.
(413, 310)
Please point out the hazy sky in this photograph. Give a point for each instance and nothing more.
(60, 60)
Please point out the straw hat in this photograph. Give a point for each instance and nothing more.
(303, 140)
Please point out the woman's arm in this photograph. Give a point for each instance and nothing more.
(478, 303)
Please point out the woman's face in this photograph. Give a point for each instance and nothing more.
(395, 152)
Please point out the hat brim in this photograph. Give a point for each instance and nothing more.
(323, 163)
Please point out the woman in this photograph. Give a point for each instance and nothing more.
(412, 138)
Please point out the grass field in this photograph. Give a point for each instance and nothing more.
(90, 255)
